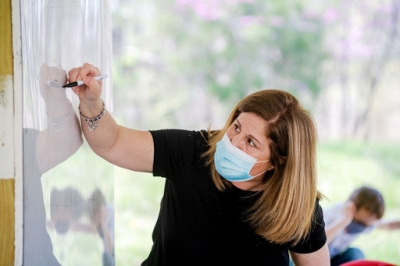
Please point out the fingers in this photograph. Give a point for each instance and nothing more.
(351, 206)
(91, 89)
(81, 72)
(91, 82)
(89, 70)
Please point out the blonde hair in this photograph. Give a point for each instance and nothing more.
(284, 211)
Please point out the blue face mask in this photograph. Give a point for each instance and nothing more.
(355, 228)
(232, 163)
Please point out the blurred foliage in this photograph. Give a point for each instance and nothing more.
(336, 56)
(226, 49)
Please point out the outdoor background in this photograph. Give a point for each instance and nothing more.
(185, 63)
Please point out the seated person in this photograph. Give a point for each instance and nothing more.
(344, 222)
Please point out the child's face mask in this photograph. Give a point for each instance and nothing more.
(355, 228)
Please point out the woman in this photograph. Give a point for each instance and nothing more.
(243, 195)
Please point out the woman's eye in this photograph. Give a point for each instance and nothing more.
(251, 143)
(236, 127)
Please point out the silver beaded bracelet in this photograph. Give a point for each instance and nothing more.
(93, 121)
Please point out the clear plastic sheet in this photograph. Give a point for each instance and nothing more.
(68, 190)
(65, 33)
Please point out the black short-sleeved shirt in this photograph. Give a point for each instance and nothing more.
(199, 225)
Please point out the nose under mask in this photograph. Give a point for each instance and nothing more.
(232, 163)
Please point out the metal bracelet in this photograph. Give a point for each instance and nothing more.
(93, 121)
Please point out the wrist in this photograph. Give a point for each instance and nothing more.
(93, 121)
(90, 108)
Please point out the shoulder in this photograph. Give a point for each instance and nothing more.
(179, 140)
(179, 135)
(316, 237)
(175, 149)
(318, 223)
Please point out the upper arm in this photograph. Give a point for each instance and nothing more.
(133, 149)
(319, 257)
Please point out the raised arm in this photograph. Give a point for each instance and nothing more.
(127, 148)
(341, 222)
(389, 224)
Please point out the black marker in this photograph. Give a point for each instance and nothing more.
(80, 82)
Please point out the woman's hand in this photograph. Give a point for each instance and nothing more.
(89, 93)
(91, 90)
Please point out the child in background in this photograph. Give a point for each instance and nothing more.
(344, 222)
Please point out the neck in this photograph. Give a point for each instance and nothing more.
(248, 185)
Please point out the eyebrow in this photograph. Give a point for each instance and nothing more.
(251, 136)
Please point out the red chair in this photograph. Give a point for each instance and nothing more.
(367, 263)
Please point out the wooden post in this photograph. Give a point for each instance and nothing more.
(7, 198)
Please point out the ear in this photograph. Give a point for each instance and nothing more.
(282, 160)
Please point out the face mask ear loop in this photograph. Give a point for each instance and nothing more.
(262, 161)
(259, 174)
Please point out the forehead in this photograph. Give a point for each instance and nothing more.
(253, 124)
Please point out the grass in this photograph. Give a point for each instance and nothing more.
(137, 200)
